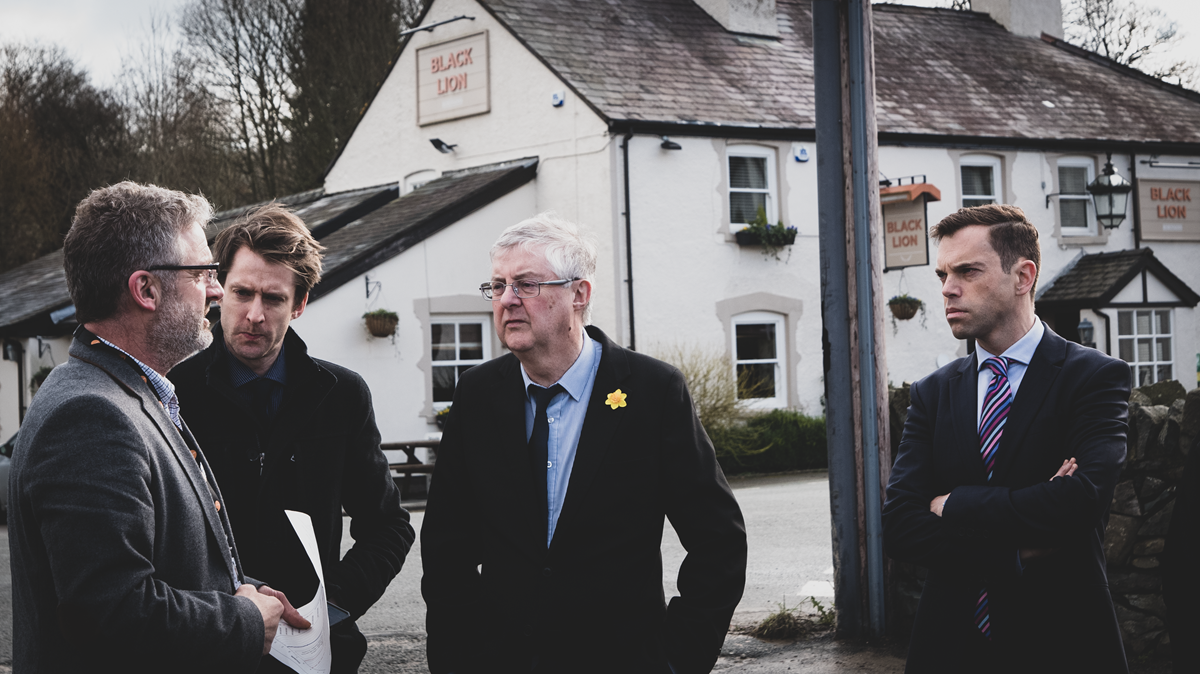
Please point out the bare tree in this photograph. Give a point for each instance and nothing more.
(60, 137)
(177, 125)
(241, 47)
(1135, 35)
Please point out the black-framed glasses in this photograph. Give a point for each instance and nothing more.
(525, 288)
(210, 270)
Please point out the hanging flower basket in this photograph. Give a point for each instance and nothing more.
(904, 307)
(381, 322)
(440, 418)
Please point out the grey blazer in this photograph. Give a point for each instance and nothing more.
(120, 556)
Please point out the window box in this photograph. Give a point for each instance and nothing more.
(746, 237)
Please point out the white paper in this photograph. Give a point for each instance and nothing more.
(306, 651)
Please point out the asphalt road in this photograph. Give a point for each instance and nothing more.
(787, 521)
(790, 559)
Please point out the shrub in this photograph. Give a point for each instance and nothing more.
(774, 441)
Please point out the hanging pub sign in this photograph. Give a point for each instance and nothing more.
(905, 224)
(1169, 210)
(452, 79)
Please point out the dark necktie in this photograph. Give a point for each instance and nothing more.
(996, 402)
(539, 451)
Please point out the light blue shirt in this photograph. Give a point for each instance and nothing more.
(565, 413)
(162, 387)
(1019, 355)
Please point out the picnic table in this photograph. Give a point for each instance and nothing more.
(412, 466)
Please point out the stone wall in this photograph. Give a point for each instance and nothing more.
(1164, 422)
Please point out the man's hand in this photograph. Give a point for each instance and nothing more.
(273, 605)
(1067, 469)
(936, 505)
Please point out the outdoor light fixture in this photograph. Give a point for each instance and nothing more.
(445, 148)
(1110, 194)
(1086, 332)
(669, 144)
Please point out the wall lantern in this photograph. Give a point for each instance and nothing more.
(668, 144)
(1110, 194)
(1086, 330)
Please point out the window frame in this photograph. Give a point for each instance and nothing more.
(779, 321)
(457, 320)
(770, 154)
(1089, 164)
(1154, 335)
(997, 195)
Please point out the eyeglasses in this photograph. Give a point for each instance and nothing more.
(210, 270)
(524, 289)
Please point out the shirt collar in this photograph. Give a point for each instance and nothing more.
(1021, 351)
(239, 374)
(161, 385)
(576, 379)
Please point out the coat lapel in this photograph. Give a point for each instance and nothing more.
(125, 375)
(600, 426)
(964, 393)
(506, 461)
(1039, 377)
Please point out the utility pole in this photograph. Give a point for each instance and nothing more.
(856, 407)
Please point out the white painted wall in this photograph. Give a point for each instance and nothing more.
(684, 259)
(571, 141)
(452, 262)
(53, 352)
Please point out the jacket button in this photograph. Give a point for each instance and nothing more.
(546, 572)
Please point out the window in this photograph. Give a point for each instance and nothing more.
(457, 346)
(751, 184)
(1144, 341)
(758, 357)
(980, 180)
(1074, 202)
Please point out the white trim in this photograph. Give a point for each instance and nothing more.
(1089, 164)
(1137, 365)
(776, 321)
(772, 191)
(485, 344)
(997, 178)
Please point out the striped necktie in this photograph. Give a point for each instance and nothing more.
(996, 403)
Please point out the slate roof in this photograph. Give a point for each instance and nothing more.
(29, 292)
(323, 213)
(1097, 278)
(385, 233)
(938, 73)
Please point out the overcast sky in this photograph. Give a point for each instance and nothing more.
(97, 34)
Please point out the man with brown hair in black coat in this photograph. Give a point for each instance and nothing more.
(285, 431)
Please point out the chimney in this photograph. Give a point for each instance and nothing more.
(1030, 18)
(752, 17)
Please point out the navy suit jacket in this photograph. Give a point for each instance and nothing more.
(500, 601)
(1054, 613)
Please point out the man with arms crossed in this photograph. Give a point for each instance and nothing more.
(121, 552)
(542, 534)
(286, 431)
(1006, 470)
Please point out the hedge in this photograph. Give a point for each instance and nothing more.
(775, 441)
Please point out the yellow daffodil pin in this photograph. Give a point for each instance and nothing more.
(616, 399)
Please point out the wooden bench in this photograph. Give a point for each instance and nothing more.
(410, 466)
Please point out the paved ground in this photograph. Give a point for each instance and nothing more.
(787, 519)
(791, 559)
